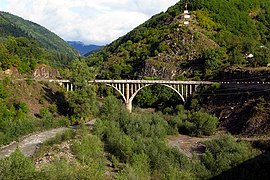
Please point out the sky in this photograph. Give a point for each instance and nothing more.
(90, 21)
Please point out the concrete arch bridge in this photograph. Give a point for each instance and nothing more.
(130, 88)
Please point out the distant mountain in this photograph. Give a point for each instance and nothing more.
(82, 48)
(58, 52)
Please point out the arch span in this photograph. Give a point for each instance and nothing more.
(129, 91)
(181, 96)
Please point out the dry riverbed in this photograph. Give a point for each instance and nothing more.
(30, 143)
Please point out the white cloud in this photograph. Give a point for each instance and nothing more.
(90, 21)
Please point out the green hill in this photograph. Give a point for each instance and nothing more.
(26, 35)
(221, 34)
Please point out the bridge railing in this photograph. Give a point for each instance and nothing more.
(152, 82)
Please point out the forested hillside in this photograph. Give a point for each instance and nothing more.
(221, 34)
(225, 39)
(24, 44)
(117, 144)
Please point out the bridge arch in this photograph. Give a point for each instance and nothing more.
(181, 96)
(118, 90)
(128, 96)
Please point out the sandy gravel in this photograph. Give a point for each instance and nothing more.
(29, 144)
(187, 144)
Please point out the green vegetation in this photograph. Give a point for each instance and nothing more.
(22, 53)
(221, 34)
(16, 118)
(122, 145)
(24, 44)
(16, 166)
(194, 123)
(82, 101)
(137, 148)
(224, 153)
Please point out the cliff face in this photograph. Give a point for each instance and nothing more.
(184, 54)
(40, 72)
(45, 72)
(241, 112)
(245, 74)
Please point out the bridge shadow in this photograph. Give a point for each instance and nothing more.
(237, 110)
(58, 98)
(253, 169)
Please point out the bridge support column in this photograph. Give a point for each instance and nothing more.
(129, 106)
(128, 100)
(67, 86)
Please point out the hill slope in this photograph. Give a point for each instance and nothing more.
(58, 51)
(221, 34)
(225, 39)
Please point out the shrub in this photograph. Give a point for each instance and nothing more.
(225, 152)
(202, 123)
(16, 166)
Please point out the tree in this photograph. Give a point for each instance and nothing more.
(82, 101)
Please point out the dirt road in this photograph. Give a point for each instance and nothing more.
(29, 144)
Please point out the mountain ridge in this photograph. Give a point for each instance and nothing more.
(15, 26)
(164, 47)
(82, 48)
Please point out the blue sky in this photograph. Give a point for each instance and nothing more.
(90, 21)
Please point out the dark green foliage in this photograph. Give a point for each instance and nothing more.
(3, 93)
(31, 44)
(241, 26)
(224, 153)
(138, 140)
(14, 122)
(157, 96)
(89, 151)
(16, 166)
(202, 123)
(136, 145)
(82, 101)
(138, 169)
(21, 53)
(195, 123)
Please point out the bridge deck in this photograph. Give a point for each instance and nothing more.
(140, 82)
(162, 82)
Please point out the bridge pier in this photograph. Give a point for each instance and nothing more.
(129, 106)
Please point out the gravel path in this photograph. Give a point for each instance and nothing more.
(28, 144)
(187, 144)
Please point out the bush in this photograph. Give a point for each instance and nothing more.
(224, 153)
(203, 123)
(16, 166)
(195, 123)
